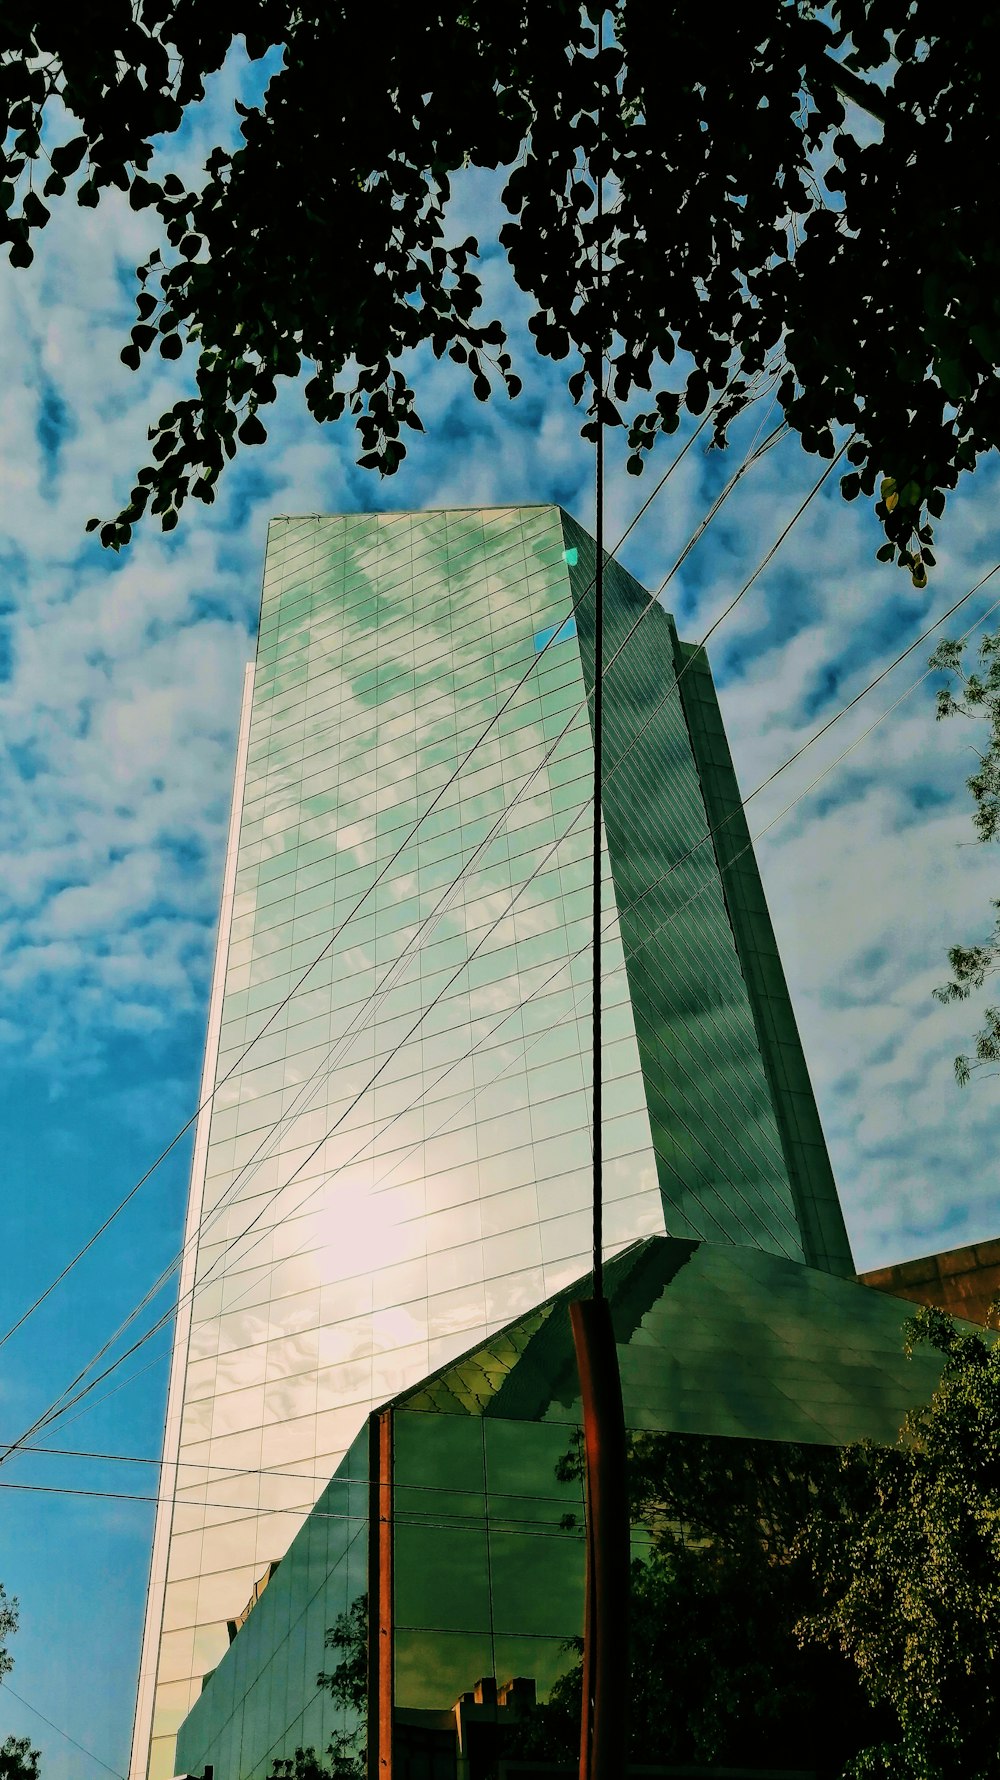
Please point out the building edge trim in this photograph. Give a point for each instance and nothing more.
(142, 1728)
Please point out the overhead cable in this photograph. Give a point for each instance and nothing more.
(19, 1444)
(799, 796)
(89, 1753)
(209, 1098)
(58, 1409)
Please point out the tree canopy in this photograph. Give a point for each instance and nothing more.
(719, 1674)
(975, 694)
(796, 1605)
(18, 1761)
(805, 1606)
(905, 1550)
(805, 187)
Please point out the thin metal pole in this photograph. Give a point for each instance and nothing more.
(598, 723)
(605, 1679)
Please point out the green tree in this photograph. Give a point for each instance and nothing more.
(18, 1761)
(717, 1603)
(806, 187)
(8, 1626)
(307, 1765)
(347, 1682)
(809, 1607)
(976, 695)
(799, 1605)
(905, 1549)
(719, 1674)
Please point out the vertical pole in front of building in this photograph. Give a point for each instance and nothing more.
(598, 375)
(381, 1630)
(605, 1641)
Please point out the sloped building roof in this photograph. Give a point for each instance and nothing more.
(711, 1339)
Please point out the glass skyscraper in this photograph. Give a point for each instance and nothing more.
(400, 1163)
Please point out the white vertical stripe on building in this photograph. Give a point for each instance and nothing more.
(142, 1727)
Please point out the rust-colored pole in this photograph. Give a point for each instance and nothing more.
(380, 1607)
(605, 1640)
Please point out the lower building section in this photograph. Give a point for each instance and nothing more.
(426, 1618)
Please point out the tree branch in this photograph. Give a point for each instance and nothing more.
(851, 86)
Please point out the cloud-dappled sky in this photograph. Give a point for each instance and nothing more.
(119, 695)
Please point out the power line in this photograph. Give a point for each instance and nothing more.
(804, 792)
(233, 1472)
(885, 672)
(772, 553)
(131, 1458)
(60, 1406)
(382, 988)
(524, 1528)
(323, 1068)
(59, 1730)
(765, 561)
(886, 713)
(831, 765)
(825, 728)
(710, 834)
(57, 1408)
(209, 1098)
(428, 1489)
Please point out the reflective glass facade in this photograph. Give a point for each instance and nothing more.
(712, 1340)
(401, 1163)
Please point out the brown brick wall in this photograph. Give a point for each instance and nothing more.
(960, 1280)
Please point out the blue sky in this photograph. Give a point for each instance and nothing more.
(119, 694)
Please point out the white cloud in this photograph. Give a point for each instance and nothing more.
(119, 712)
(871, 876)
(118, 719)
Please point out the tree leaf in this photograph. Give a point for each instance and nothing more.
(66, 157)
(252, 431)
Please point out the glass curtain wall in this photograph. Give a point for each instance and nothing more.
(401, 1162)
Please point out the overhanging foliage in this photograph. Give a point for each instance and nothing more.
(809, 185)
